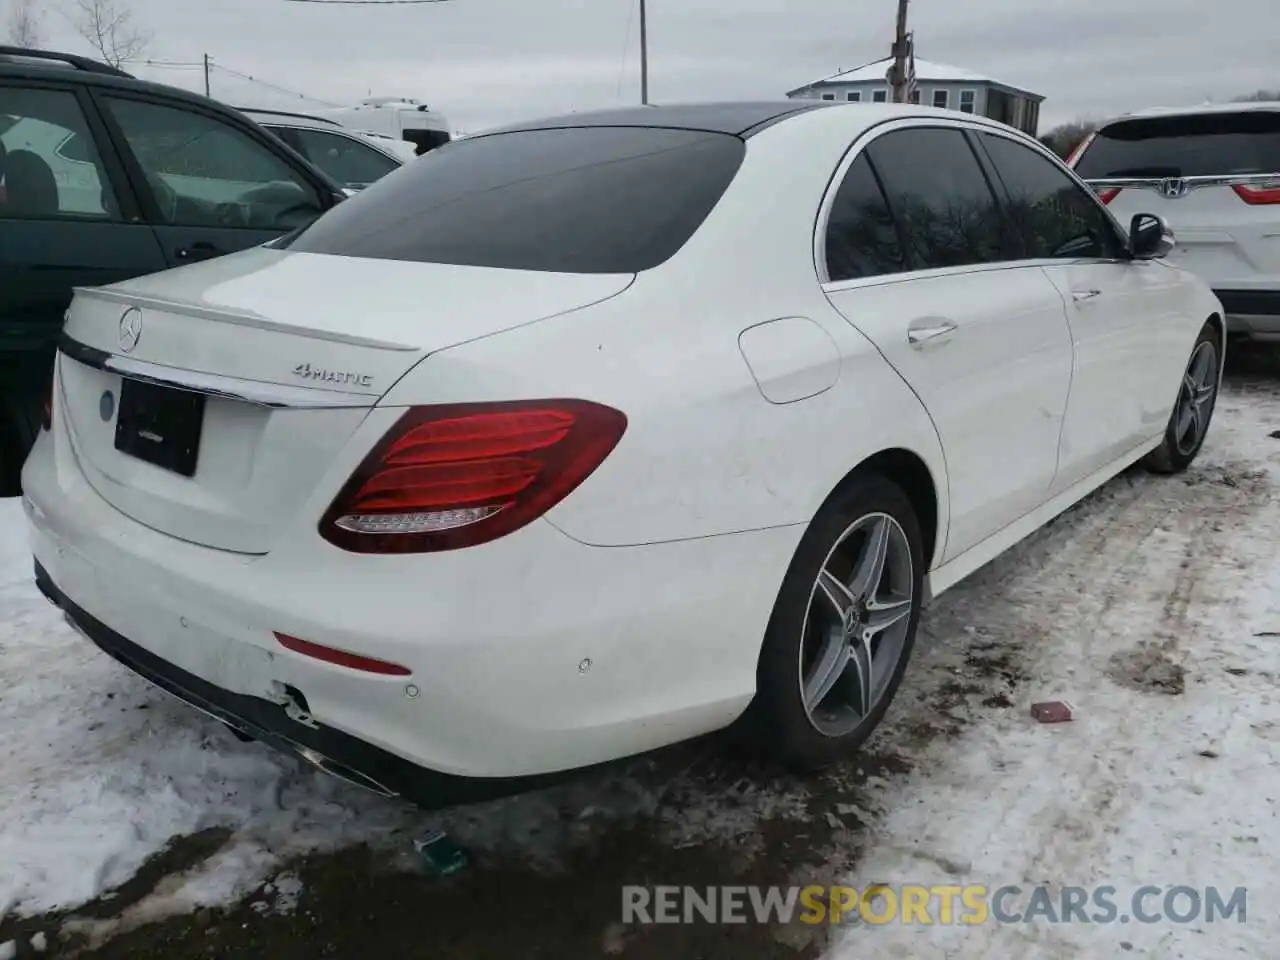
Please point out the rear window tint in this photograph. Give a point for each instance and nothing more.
(1192, 146)
(578, 200)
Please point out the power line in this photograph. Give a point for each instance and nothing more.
(626, 44)
(271, 86)
(164, 63)
(211, 64)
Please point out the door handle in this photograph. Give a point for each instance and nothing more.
(202, 250)
(1079, 296)
(923, 332)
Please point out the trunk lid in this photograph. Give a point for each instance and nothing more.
(249, 374)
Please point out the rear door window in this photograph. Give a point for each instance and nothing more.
(204, 172)
(576, 200)
(346, 159)
(1187, 146)
(940, 195)
(49, 164)
(862, 240)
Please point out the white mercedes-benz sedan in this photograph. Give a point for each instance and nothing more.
(582, 437)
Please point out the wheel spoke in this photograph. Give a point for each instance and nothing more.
(869, 569)
(1185, 419)
(863, 667)
(883, 614)
(1189, 384)
(827, 671)
(1196, 420)
(837, 593)
(1201, 365)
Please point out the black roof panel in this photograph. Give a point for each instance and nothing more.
(740, 118)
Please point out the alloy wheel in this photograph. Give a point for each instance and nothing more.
(1195, 399)
(856, 624)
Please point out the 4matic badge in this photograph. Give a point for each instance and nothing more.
(308, 372)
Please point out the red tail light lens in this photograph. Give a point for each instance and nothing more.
(1259, 195)
(1107, 194)
(454, 476)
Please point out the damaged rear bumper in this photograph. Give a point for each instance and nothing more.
(333, 751)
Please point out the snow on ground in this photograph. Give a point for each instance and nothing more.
(1145, 606)
(99, 771)
(1159, 619)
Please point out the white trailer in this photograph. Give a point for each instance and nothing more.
(400, 117)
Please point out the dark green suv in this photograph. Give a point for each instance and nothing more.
(105, 177)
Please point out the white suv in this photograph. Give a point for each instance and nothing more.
(1213, 172)
(354, 158)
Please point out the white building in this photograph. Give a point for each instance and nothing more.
(937, 85)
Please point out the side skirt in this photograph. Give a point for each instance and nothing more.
(943, 578)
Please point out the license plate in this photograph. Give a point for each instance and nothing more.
(160, 425)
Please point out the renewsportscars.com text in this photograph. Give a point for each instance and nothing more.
(933, 904)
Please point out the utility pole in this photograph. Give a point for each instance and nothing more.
(206, 75)
(644, 54)
(902, 73)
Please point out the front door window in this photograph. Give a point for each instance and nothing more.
(204, 172)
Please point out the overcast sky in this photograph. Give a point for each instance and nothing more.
(484, 62)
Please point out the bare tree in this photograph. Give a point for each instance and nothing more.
(108, 26)
(24, 24)
(1065, 138)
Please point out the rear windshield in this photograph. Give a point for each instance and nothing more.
(578, 200)
(1194, 146)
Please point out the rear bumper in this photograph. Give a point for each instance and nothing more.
(529, 657)
(336, 752)
(1251, 311)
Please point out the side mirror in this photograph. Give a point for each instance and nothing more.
(1150, 237)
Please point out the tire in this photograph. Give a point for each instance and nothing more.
(804, 622)
(1178, 450)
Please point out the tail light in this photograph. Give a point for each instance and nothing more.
(1258, 195)
(446, 477)
(1107, 194)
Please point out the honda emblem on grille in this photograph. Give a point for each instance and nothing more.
(1174, 188)
(130, 329)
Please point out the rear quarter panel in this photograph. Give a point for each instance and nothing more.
(704, 452)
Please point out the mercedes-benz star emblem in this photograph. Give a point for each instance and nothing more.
(130, 329)
(1174, 188)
